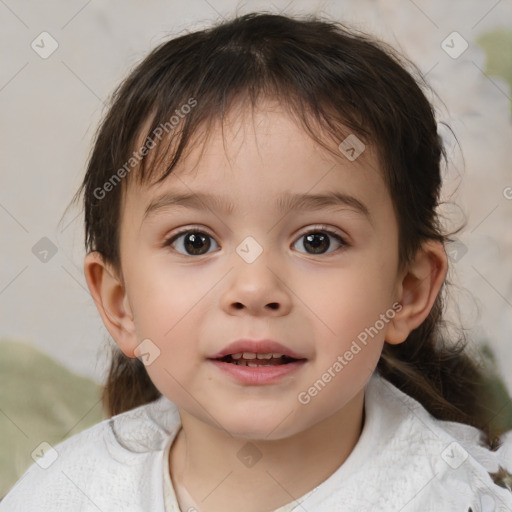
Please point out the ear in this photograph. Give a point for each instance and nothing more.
(109, 294)
(418, 288)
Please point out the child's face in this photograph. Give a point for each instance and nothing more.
(316, 304)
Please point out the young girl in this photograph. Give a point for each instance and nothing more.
(263, 247)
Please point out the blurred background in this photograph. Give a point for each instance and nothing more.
(59, 65)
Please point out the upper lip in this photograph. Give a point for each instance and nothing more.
(256, 347)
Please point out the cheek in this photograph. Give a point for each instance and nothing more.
(171, 377)
(178, 363)
(164, 295)
(349, 304)
(360, 294)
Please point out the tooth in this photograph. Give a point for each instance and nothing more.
(252, 364)
(277, 355)
(264, 356)
(249, 355)
(236, 356)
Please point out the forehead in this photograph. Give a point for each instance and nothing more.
(254, 157)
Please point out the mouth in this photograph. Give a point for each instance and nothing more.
(254, 360)
(246, 352)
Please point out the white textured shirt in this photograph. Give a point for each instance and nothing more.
(405, 460)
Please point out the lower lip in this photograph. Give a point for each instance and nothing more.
(258, 375)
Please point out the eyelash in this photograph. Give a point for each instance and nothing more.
(317, 229)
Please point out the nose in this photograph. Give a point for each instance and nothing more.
(256, 289)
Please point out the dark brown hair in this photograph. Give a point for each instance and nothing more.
(334, 81)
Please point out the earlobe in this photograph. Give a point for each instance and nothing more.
(418, 290)
(109, 294)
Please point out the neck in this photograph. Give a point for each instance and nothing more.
(221, 473)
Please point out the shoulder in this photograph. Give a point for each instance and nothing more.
(407, 460)
(104, 467)
(450, 461)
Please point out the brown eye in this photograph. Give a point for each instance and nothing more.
(191, 243)
(318, 242)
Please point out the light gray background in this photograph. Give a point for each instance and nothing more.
(51, 108)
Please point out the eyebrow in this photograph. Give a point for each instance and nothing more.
(286, 203)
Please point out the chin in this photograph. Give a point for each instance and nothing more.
(257, 428)
(255, 433)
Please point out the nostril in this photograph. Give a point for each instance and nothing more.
(271, 305)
